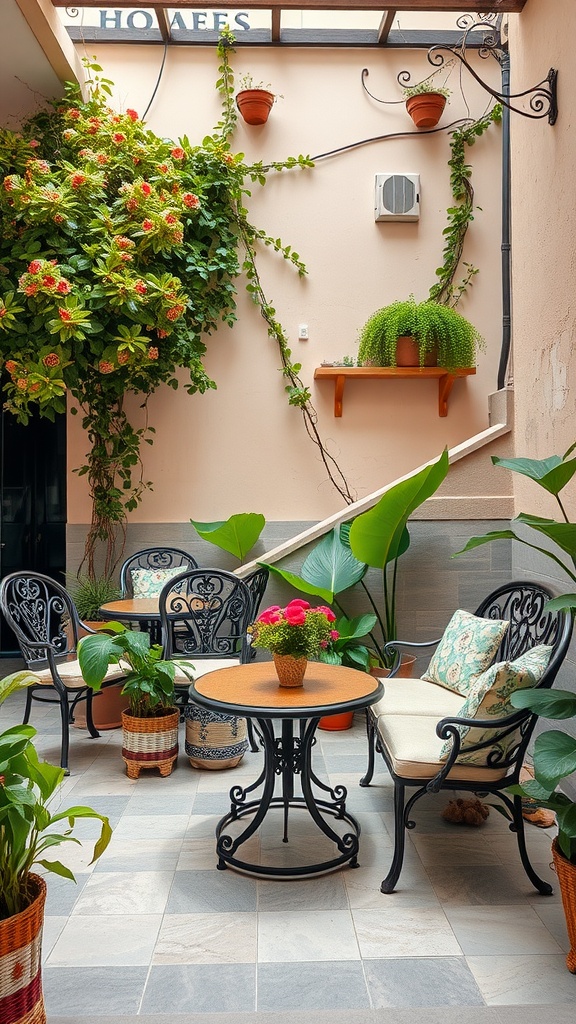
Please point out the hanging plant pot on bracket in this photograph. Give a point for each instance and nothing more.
(255, 105)
(426, 108)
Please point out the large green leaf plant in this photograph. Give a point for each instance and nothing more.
(28, 826)
(554, 750)
(375, 539)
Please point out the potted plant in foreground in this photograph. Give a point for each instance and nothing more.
(150, 725)
(554, 750)
(293, 634)
(26, 834)
(425, 103)
(410, 333)
(254, 100)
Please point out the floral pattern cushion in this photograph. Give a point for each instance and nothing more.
(490, 698)
(149, 582)
(466, 649)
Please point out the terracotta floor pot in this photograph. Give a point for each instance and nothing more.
(21, 999)
(107, 708)
(567, 881)
(405, 670)
(150, 742)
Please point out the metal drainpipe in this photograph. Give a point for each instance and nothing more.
(505, 244)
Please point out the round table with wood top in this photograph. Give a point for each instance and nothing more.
(143, 610)
(287, 720)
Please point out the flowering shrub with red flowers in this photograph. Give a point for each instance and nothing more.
(118, 255)
(297, 629)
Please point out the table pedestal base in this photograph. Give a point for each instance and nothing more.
(285, 757)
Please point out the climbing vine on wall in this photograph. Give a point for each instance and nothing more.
(461, 213)
(119, 254)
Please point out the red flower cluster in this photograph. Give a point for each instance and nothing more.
(297, 629)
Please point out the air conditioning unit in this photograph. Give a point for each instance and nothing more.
(397, 197)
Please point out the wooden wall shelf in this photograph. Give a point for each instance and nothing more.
(339, 374)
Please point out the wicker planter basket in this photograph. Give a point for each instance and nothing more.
(214, 741)
(21, 1000)
(150, 742)
(567, 880)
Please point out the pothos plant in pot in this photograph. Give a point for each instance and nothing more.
(554, 749)
(150, 725)
(30, 827)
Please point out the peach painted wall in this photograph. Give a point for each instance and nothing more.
(242, 446)
(544, 248)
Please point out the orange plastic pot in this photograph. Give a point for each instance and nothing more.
(337, 723)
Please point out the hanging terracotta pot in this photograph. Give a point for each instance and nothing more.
(408, 353)
(255, 105)
(290, 670)
(426, 108)
(566, 872)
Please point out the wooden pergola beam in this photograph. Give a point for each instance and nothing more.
(386, 25)
(421, 6)
(163, 22)
(276, 20)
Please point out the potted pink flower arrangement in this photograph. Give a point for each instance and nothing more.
(293, 634)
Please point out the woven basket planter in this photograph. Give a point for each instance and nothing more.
(21, 1000)
(150, 742)
(567, 880)
(214, 741)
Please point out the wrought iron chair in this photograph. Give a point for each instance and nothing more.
(256, 582)
(154, 560)
(492, 772)
(46, 624)
(204, 616)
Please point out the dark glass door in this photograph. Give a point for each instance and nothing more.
(33, 501)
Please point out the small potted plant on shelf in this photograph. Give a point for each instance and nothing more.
(150, 725)
(410, 333)
(554, 750)
(28, 830)
(293, 634)
(425, 103)
(254, 100)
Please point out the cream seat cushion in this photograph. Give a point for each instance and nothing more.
(71, 676)
(415, 749)
(416, 697)
(202, 666)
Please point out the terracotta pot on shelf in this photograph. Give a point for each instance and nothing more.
(21, 999)
(426, 109)
(255, 105)
(566, 872)
(408, 353)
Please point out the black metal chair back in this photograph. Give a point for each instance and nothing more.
(522, 603)
(153, 559)
(38, 609)
(257, 582)
(45, 622)
(205, 613)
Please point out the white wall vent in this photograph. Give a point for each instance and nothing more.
(397, 197)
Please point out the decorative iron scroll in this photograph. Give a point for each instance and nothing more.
(541, 99)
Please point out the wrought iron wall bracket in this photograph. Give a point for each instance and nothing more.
(543, 97)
